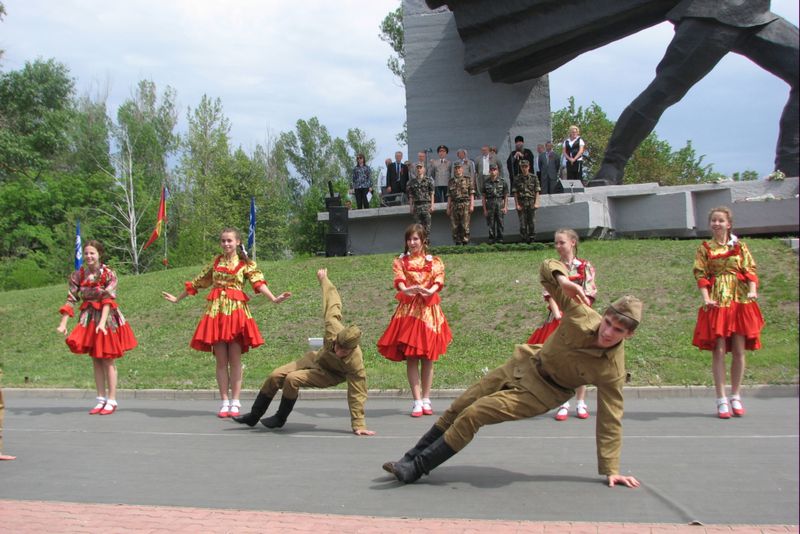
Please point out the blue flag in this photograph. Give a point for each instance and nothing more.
(78, 247)
(251, 233)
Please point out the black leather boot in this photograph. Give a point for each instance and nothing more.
(429, 437)
(279, 419)
(425, 462)
(257, 411)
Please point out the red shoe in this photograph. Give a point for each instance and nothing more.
(561, 414)
(108, 409)
(581, 412)
(101, 403)
(737, 408)
(427, 409)
(416, 411)
(224, 411)
(723, 410)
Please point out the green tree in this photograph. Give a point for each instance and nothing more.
(653, 161)
(36, 110)
(391, 32)
(316, 158)
(143, 139)
(208, 191)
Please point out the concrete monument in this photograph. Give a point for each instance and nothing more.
(529, 38)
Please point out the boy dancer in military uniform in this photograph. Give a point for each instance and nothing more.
(460, 204)
(495, 203)
(526, 194)
(420, 196)
(338, 360)
(587, 348)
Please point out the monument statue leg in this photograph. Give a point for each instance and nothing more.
(775, 49)
(698, 45)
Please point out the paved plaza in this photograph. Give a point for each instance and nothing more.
(536, 475)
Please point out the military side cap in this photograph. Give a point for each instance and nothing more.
(493, 166)
(629, 306)
(457, 164)
(438, 148)
(524, 163)
(349, 338)
(420, 164)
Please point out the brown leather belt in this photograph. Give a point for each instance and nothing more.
(547, 378)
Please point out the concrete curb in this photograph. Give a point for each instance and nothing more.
(642, 392)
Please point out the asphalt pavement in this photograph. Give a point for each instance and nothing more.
(693, 466)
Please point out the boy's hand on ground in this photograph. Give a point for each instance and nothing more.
(631, 482)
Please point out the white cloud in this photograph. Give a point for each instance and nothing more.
(273, 62)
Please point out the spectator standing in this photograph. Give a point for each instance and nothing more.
(361, 183)
(519, 154)
(441, 171)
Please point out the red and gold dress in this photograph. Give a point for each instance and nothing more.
(96, 290)
(726, 270)
(227, 317)
(581, 272)
(418, 327)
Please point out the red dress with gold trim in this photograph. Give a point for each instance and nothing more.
(96, 290)
(581, 272)
(227, 317)
(726, 270)
(418, 328)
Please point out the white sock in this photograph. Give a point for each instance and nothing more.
(735, 397)
(112, 402)
(417, 403)
(235, 402)
(426, 401)
(722, 405)
(565, 406)
(580, 403)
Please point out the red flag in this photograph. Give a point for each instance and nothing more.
(162, 218)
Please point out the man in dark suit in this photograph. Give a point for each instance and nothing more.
(396, 174)
(549, 162)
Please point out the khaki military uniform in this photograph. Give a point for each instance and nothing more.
(526, 192)
(495, 193)
(420, 192)
(539, 378)
(322, 369)
(460, 197)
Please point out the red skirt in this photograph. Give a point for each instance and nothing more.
(236, 327)
(408, 337)
(740, 319)
(541, 334)
(112, 344)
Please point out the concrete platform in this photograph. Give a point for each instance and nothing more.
(760, 207)
(693, 466)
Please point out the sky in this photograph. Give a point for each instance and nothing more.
(272, 62)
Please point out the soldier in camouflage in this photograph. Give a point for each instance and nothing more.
(495, 203)
(526, 194)
(460, 203)
(420, 195)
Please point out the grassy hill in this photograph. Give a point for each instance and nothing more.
(492, 301)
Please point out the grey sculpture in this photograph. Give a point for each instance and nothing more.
(525, 39)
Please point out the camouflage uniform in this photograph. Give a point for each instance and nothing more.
(526, 189)
(494, 195)
(419, 191)
(460, 192)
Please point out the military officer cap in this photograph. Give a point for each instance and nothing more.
(493, 166)
(457, 164)
(524, 163)
(438, 148)
(349, 338)
(629, 306)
